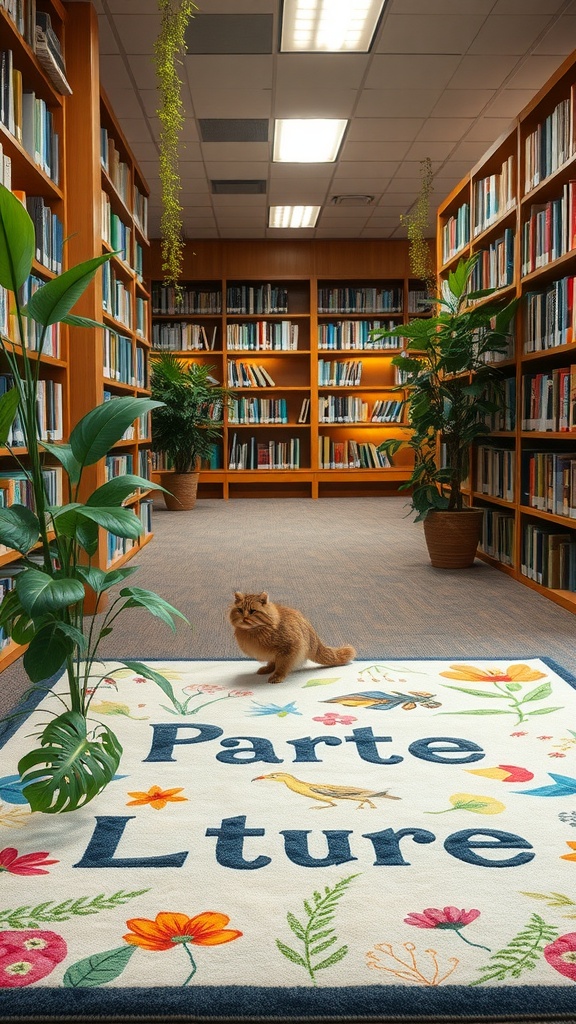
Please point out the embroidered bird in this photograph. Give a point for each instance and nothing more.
(327, 794)
(380, 701)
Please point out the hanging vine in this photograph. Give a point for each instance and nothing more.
(168, 51)
(421, 263)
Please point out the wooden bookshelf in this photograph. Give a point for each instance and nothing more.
(292, 310)
(106, 202)
(521, 474)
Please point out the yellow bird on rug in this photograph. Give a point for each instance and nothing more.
(327, 794)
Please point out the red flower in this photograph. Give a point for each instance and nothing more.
(27, 956)
(29, 864)
(556, 753)
(561, 955)
(450, 917)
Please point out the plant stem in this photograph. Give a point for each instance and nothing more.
(191, 958)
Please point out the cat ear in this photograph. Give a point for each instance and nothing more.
(263, 597)
(238, 596)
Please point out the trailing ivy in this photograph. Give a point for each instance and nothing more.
(168, 51)
(416, 222)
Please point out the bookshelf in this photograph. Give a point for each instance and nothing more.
(286, 326)
(520, 201)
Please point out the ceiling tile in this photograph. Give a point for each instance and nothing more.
(107, 41)
(560, 39)
(451, 7)
(396, 102)
(295, 172)
(202, 232)
(375, 151)
(189, 132)
(369, 232)
(237, 219)
(239, 152)
(238, 32)
(488, 129)
(114, 72)
(127, 6)
(533, 73)
(444, 129)
(126, 103)
(428, 33)
(360, 169)
(434, 150)
(413, 168)
(139, 34)
(144, 151)
(522, 7)
(221, 202)
(232, 103)
(143, 70)
(341, 231)
(322, 101)
(308, 71)
(508, 34)
(249, 170)
(470, 152)
(488, 71)
(406, 186)
(348, 185)
(299, 194)
(384, 129)
(462, 102)
(411, 71)
(254, 71)
(137, 129)
(509, 102)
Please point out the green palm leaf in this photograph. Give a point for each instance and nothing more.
(69, 769)
(17, 243)
(103, 427)
(55, 299)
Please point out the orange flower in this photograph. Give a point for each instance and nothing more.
(168, 930)
(513, 674)
(156, 797)
(569, 856)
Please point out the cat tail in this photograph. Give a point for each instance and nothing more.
(324, 655)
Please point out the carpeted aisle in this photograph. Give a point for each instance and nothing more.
(437, 883)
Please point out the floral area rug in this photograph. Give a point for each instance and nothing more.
(382, 841)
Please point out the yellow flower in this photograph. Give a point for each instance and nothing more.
(513, 674)
(156, 797)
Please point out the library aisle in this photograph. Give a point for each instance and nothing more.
(358, 568)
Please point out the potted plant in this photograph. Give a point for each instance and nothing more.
(74, 758)
(187, 423)
(451, 385)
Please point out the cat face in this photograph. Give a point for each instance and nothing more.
(249, 611)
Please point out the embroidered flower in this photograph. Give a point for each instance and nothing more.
(275, 709)
(561, 955)
(156, 797)
(569, 856)
(28, 864)
(556, 753)
(450, 919)
(333, 718)
(241, 693)
(518, 733)
(27, 956)
(170, 929)
(543, 737)
(203, 688)
(513, 674)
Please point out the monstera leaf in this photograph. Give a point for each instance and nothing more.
(69, 768)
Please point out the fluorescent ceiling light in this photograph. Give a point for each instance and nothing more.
(329, 26)
(293, 216)
(307, 141)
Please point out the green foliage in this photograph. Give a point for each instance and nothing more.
(46, 610)
(315, 934)
(51, 912)
(182, 425)
(521, 954)
(421, 263)
(168, 51)
(447, 380)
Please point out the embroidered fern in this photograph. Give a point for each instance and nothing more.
(553, 899)
(316, 936)
(52, 912)
(521, 953)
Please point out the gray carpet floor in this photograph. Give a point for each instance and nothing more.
(357, 567)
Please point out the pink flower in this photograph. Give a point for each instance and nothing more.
(333, 718)
(140, 679)
(203, 688)
(556, 753)
(28, 864)
(518, 733)
(561, 955)
(543, 737)
(241, 693)
(450, 917)
(27, 956)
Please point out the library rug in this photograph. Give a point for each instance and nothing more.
(383, 841)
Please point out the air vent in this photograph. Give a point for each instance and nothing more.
(237, 187)
(352, 200)
(230, 33)
(234, 129)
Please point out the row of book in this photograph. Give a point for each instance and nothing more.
(495, 472)
(116, 297)
(141, 317)
(503, 397)
(336, 373)
(117, 547)
(360, 300)
(48, 411)
(48, 231)
(7, 583)
(23, 14)
(167, 301)
(261, 298)
(549, 556)
(140, 211)
(497, 539)
(258, 410)
(550, 145)
(115, 232)
(182, 337)
(350, 454)
(550, 230)
(118, 465)
(495, 267)
(549, 400)
(254, 454)
(278, 336)
(117, 170)
(493, 196)
(32, 330)
(549, 316)
(16, 489)
(549, 482)
(117, 357)
(350, 409)
(130, 432)
(37, 135)
(356, 334)
(248, 375)
(456, 232)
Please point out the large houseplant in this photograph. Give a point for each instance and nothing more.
(187, 424)
(75, 757)
(452, 388)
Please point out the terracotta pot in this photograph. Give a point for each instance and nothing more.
(182, 487)
(453, 537)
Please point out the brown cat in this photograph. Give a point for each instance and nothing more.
(280, 636)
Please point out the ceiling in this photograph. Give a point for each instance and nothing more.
(443, 80)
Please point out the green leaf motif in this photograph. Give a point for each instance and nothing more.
(290, 954)
(521, 953)
(321, 681)
(98, 969)
(319, 916)
(143, 670)
(539, 693)
(17, 243)
(52, 912)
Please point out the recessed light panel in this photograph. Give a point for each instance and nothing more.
(307, 141)
(329, 26)
(293, 216)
